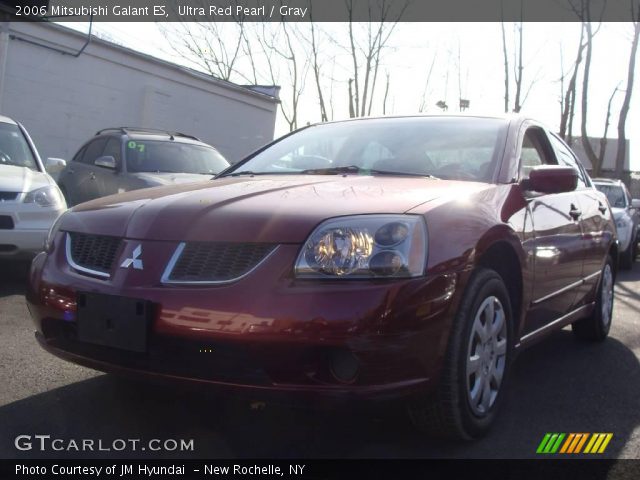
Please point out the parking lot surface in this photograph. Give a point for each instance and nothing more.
(559, 385)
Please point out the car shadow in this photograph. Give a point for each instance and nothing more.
(14, 277)
(560, 385)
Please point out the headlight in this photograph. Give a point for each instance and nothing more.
(48, 241)
(45, 197)
(365, 246)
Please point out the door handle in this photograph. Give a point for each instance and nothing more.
(70, 172)
(575, 213)
(602, 208)
(92, 176)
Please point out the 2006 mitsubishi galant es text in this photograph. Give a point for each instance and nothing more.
(375, 258)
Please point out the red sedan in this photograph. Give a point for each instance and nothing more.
(381, 258)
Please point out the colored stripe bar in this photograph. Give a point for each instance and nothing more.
(582, 442)
(550, 443)
(607, 439)
(556, 446)
(591, 442)
(543, 443)
(576, 439)
(567, 443)
(596, 446)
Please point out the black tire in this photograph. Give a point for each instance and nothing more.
(448, 413)
(628, 256)
(595, 328)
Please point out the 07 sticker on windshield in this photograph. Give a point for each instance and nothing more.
(135, 145)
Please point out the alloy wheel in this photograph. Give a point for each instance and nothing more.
(486, 355)
(606, 299)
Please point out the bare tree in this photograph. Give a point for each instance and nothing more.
(520, 95)
(624, 110)
(604, 139)
(366, 53)
(280, 52)
(215, 47)
(517, 106)
(582, 9)
(316, 65)
(425, 92)
(568, 104)
(386, 94)
(506, 62)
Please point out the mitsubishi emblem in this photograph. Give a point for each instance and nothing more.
(134, 260)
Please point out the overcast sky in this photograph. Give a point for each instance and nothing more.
(411, 51)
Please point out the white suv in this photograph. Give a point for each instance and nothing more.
(626, 213)
(30, 201)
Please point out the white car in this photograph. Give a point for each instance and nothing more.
(30, 201)
(626, 213)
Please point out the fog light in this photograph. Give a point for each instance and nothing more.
(344, 366)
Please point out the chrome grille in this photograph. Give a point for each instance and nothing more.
(214, 262)
(92, 254)
(7, 196)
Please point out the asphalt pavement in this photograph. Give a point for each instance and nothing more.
(559, 385)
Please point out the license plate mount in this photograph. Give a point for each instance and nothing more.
(113, 321)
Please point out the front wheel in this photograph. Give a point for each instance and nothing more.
(476, 365)
(596, 327)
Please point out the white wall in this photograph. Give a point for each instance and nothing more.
(63, 101)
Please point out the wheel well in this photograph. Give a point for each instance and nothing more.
(502, 258)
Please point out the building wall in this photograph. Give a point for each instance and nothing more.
(63, 100)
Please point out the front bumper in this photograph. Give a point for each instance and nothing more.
(267, 332)
(624, 236)
(31, 225)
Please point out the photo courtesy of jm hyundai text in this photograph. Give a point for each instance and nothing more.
(396, 258)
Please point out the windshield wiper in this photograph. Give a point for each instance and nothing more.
(250, 172)
(237, 174)
(356, 169)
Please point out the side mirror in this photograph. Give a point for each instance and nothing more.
(635, 203)
(107, 161)
(54, 165)
(552, 179)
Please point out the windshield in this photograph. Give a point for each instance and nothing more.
(615, 195)
(14, 149)
(444, 147)
(173, 157)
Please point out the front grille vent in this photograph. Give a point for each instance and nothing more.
(8, 196)
(214, 262)
(92, 254)
(6, 222)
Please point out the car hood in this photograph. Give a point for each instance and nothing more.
(159, 179)
(254, 209)
(22, 179)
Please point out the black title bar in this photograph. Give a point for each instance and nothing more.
(324, 10)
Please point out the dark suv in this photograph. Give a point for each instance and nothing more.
(120, 159)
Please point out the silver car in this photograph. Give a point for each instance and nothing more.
(120, 159)
(30, 201)
(626, 214)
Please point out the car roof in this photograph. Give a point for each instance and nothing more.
(507, 117)
(138, 133)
